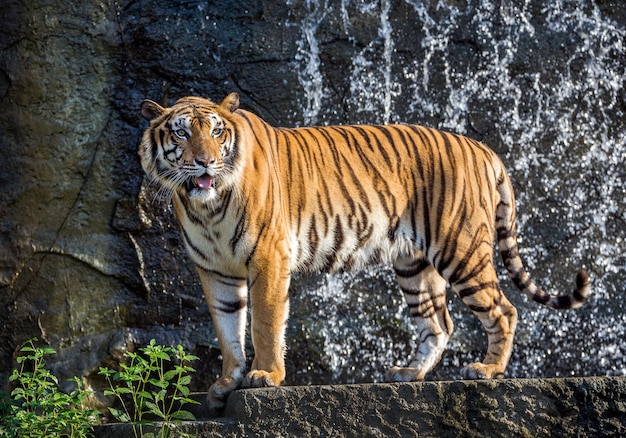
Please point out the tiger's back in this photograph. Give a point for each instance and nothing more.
(256, 203)
(357, 195)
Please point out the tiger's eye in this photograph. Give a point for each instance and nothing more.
(181, 133)
(217, 132)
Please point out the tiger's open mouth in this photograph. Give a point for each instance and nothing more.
(203, 182)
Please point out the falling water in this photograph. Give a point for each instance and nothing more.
(556, 119)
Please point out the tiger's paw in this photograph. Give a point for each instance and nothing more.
(219, 391)
(482, 371)
(399, 374)
(262, 379)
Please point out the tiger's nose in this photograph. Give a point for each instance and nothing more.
(205, 162)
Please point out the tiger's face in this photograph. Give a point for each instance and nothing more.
(190, 147)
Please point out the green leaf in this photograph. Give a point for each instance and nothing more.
(156, 410)
(106, 372)
(186, 380)
(183, 415)
(46, 349)
(122, 390)
(159, 383)
(169, 375)
(120, 415)
(160, 396)
(162, 355)
(186, 400)
(183, 390)
(145, 394)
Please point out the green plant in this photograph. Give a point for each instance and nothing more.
(147, 389)
(36, 407)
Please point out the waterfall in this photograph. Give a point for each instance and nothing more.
(544, 87)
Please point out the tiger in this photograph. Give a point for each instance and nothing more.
(256, 203)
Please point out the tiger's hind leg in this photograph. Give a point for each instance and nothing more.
(425, 293)
(482, 294)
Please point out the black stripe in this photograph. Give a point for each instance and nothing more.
(429, 335)
(479, 309)
(394, 223)
(222, 275)
(564, 302)
(155, 144)
(194, 249)
(222, 209)
(320, 206)
(413, 292)
(240, 229)
(256, 244)
(578, 296)
(543, 298)
(288, 150)
(381, 148)
(308, 154)
(369, 134)
(517, 279)
(451, 243)
(438, 203)
(428, 183)
(414, 270)
(509, 254)
(469, 291)
(504, 232)
(189, 211)
(387, 130)
(381, 185)
(231, 306)
(351, 142)
(455, 276)
(338, 239)
(230, 281)
(313, 237)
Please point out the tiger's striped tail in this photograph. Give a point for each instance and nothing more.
(507, 245)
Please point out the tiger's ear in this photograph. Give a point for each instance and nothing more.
(151, 110)
(231, 103)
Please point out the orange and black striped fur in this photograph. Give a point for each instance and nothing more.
(256, 203)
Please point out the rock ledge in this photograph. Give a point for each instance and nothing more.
(591, 406)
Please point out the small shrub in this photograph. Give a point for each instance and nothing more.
(36, 407)
(146, 388)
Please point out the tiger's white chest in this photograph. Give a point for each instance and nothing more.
(210, 238)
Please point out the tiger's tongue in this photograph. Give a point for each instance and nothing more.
(204, 181)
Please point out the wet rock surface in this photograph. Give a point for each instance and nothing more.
(91, 261)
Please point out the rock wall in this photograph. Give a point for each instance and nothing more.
(91, 261)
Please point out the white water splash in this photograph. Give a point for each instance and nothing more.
(564, 142)
(308, 54)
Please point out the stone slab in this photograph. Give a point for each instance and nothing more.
(591, 406)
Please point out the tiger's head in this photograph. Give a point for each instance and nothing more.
(191, 147)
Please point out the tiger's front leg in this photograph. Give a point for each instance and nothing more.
(227, 297)
(269, 301)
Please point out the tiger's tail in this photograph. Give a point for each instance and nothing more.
(507, 245)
